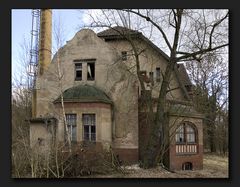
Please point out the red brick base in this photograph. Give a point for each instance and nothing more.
(176, 160)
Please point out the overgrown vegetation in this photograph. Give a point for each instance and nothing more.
(188, 36)
(59, 163)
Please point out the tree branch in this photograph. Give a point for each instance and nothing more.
(151, 21)
(194, 54)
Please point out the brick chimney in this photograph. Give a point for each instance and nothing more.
(45, 40)
(45, 47)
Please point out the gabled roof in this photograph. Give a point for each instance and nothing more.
(119, 32)
(184, 75)
(184, 111)
(84, 94)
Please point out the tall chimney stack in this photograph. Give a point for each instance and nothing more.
(45, 50)
(45, 43)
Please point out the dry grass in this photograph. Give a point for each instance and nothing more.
(213, 167)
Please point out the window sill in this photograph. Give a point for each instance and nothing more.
(184, 143)
(186, 154)
(78, 79)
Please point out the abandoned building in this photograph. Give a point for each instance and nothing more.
(101, 95)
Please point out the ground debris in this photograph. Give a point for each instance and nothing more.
(213, 167)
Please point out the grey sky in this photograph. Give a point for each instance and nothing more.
(22, 24)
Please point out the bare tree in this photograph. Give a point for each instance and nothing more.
(188, 35)
(210, 77)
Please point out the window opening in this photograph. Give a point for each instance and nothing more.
(78, 71)
(91, 71)
(185, 134)
(89, 127)
(72, 126)
(124, 55)
(151, 77)
(158, 73)
(187, 166)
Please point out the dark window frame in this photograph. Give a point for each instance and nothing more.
(158, 74)
(151, 77)
(71, 120)
(187, 166)
(91, 67)
(78, 70)
(89, 125)
(182, 132)
(124, 55)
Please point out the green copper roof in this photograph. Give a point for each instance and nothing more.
(183, 110)
(85, 94)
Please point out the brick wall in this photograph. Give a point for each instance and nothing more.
(176, 160)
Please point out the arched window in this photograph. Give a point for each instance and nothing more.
(186, 133)
(187, 166)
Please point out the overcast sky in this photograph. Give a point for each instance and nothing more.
(71, 22)
(71, 19)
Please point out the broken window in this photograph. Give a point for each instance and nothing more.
(124, 55)
(89, 127)
(78, 71)
(158, 74)
(185, 134)
(91, 71)
(72, 126)
(180, 134)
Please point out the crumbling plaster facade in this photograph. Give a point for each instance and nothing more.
(117, 125)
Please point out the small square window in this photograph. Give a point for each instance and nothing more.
(124, 55)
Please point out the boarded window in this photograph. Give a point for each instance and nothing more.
(89, 127)
(78, 71)
(90, 71)
(72, 127)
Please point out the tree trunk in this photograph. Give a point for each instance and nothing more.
(156, 138)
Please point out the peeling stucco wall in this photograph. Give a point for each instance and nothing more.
(115, 77)
(110, 76)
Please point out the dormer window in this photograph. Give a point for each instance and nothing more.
(124, 55)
